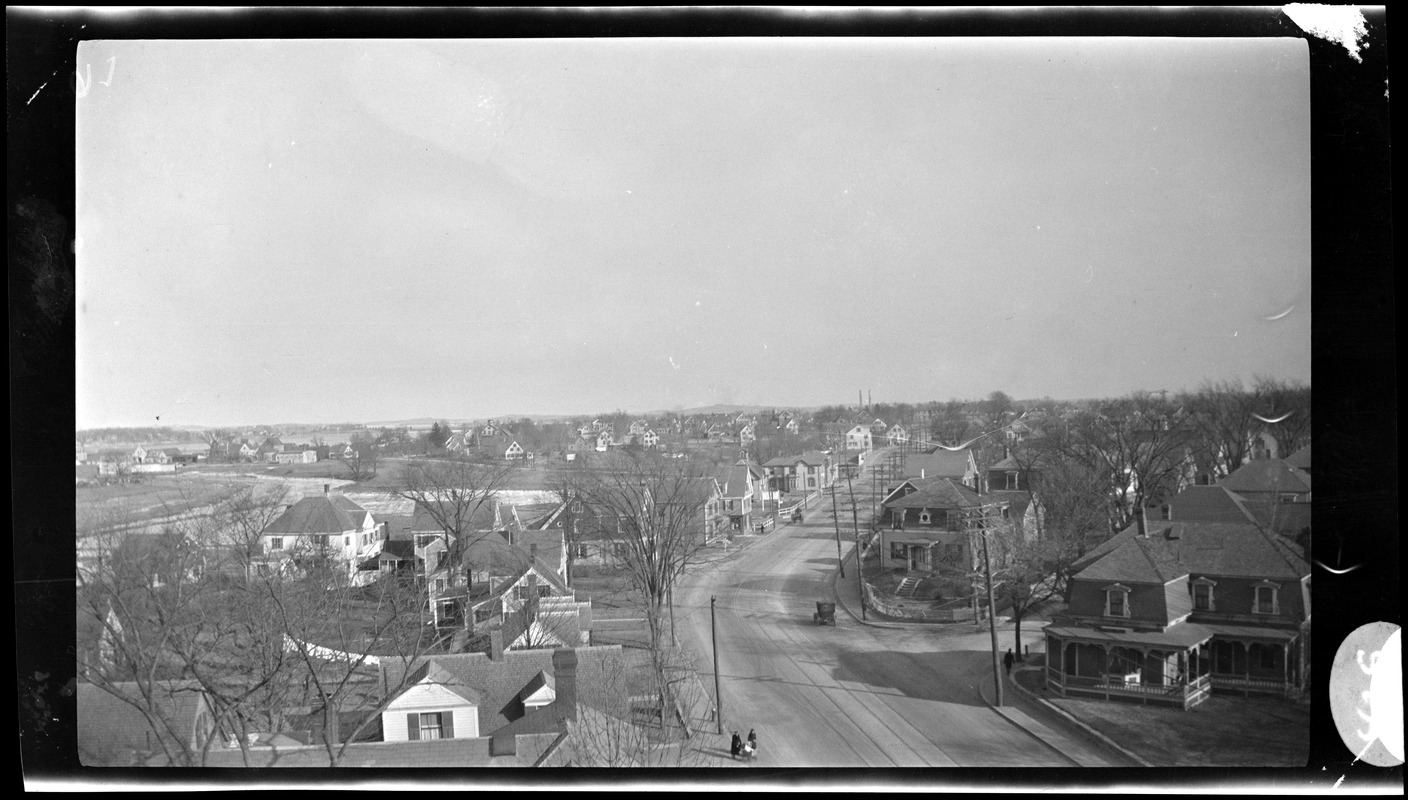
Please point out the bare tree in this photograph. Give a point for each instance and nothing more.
(336, 634)
(159, 617)
(362, 462)
(949, 423)
(1221, 412)
(1288, 403)
(653, 513)
(1138, 444)
(1072, 508)
(453, 493)
(611, 728)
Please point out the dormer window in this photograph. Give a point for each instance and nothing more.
(924, 516)
(1266, 600)
(1117, 601)
(1203, 596)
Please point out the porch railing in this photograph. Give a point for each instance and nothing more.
(1247, 685)
(1184, 694)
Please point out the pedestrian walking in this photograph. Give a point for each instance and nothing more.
(1007, 660)
(753, 740)
(736, 746)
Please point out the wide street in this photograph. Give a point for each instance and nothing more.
(852, 695)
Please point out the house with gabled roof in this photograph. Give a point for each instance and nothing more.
(1277, 494)
(1300, 460)
(897, 435)
(1170, 612)
(507, 693)
(736, 490)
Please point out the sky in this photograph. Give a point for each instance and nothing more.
(324, 230)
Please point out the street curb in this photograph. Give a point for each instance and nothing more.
(1020, 726)
(1097, 735)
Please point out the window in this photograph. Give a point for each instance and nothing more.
(544, 590)
(1117, 601)
(1267, 657)
(898, 550)
(276, 542)
(346, 541)
(439, 585)
(1202, 595)
(1266, 599)
(430, 726)
(582, 551)
(924, 516)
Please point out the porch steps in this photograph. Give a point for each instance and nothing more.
(907, 587)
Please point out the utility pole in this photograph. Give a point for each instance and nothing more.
(836, 518)
(714, 643)
(992, 617)
(855, 521)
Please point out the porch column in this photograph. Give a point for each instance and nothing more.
(1247, 652)
(1286, 668)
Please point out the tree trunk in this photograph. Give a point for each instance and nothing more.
(1017, 621)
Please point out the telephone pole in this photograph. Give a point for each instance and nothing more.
(836, 518)
(992, 617)
(714, 644)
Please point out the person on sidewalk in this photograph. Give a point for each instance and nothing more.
(1007, 660)
(753, 740)
(736, 746)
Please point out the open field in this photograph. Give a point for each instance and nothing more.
(1222, 731)
(156, 495)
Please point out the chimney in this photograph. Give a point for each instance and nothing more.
(386, 531)
(533, 551)
(496, 645)
(327, 487)
(1143, 524)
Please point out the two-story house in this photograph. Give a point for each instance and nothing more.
(736, 492)
(896, 436)
(806, 472)
(859, 437)
(1169, 612)
(321, 529)
(925, 527)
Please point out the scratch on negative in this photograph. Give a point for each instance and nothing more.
(36, 92)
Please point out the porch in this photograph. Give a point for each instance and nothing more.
(1162, 667)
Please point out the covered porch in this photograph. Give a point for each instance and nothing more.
(1165, 667)
(1248, 660)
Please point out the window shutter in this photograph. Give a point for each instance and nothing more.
(413, 727)
(447, 722)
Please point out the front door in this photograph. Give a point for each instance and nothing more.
(913, 558)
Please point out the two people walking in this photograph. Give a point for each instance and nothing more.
(747, 749)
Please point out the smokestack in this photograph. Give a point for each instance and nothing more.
(1143, 524)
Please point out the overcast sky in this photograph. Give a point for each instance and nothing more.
(367, 230)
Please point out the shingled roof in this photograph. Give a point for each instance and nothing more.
(1300, 459)
(1208, 504)
(1172, 549)
(321, 514)
(1267, 475)
(938, 464)
(942, 493)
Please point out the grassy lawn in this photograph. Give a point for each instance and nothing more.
(1222, 731)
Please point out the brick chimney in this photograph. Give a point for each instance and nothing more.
(327, 488)
(533, 551)
(1143, 523)
(496, 645)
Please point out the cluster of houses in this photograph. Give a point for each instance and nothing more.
(91, 467)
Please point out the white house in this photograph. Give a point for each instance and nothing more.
(859, 437)
(322, 526)
(436, 705)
